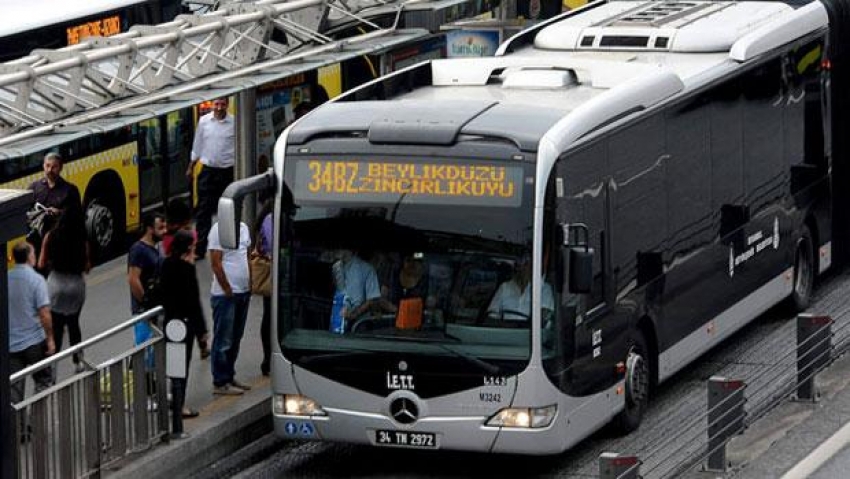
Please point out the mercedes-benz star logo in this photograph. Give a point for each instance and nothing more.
(404, 411)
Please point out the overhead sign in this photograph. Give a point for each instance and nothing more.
(387, 182)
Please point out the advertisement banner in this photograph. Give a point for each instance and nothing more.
(472, 43)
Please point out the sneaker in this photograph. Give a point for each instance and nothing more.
(189, 413)
(79, 368)
(205, 353)
(240, 385)
(228, 390)
(180, 435)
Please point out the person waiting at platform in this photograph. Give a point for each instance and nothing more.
(215, 147)
(30, 324)
(54, 194)
(65, 254)
(182, 301)
(230, 297)
(178, 217)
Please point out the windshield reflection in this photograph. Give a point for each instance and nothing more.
(407, 272)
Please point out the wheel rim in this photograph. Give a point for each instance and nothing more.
(100, 224)
(637, 378)
(803, 277)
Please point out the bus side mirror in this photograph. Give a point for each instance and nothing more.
(577, 257)
(580, 269)
(230, 205)
(229, 214)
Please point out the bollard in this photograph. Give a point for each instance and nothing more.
(615, 466)
(725, 418)
(814, 348)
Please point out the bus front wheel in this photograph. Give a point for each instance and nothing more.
(636, 386)
(804, 272)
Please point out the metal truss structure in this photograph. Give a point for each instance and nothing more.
(104, 76)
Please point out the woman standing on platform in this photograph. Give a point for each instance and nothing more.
(182, 301)
(65, 254)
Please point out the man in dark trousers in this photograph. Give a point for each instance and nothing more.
(30, 323)
(214, 146)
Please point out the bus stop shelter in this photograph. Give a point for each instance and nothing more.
(13, 207)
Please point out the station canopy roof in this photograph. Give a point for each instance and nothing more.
(53, 96)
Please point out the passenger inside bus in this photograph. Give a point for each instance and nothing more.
(512, 301)
(357, 280)
(411, 280)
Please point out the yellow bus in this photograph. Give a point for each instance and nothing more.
(119, 172)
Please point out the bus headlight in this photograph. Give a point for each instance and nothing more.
(296, 405)
(524, 417)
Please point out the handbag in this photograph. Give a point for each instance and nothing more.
(261, 274)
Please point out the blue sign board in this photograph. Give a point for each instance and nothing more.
(472, 43)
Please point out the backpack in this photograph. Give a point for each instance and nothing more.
(154, 294)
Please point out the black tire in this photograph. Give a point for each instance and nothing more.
(638, 384)
(105, 227)
(804, 272)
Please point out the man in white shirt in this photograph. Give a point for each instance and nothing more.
(230, 297)
(512, 300)
(214, 146)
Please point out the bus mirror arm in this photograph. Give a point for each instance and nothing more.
(230, 205)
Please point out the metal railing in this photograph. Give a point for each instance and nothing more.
(734, 404)
(100, 412)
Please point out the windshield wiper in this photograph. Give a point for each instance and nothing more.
(336, 355)
(489, 368)
(415, 339)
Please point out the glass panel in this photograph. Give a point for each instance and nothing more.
(400, 271)
(179, 150)
(150, 162)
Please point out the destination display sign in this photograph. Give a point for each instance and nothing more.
(103, 27)
(426, 183)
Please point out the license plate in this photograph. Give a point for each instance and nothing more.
(426, 440)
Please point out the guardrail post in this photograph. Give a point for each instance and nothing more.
(615, 466)
(814, 348)
(725, 418)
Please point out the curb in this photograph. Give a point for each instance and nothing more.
(226, 425)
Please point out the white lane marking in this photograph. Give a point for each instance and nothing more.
(823, 453)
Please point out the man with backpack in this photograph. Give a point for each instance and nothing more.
(143, 263)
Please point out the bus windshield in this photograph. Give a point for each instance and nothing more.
(416, 256)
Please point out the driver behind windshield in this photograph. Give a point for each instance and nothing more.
(512, 300)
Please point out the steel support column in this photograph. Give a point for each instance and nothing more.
(246, 145)
(7, 429)
(13, 208)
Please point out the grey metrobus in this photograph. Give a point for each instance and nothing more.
(618, 190)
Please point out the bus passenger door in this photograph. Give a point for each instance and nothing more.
(150, 162)
(598, 322)
(588, 326)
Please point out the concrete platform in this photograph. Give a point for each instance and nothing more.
(226, 423)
